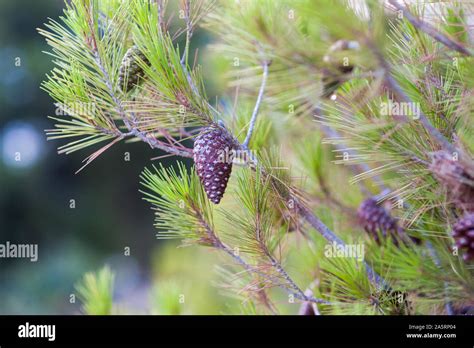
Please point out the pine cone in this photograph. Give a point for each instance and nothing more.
(463, 234)
(130, 72)
(463, 310)
(376, 220)
(457, 176)
(213, 155)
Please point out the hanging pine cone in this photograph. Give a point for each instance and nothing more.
(377, 221)
(463, 234)
(457, 177)
(213, 155)
(130, 72)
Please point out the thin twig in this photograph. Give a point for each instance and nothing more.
(161, 13)
(430, 30)
(296, 292)
(265, 65)
(189, 30)
(293, 289)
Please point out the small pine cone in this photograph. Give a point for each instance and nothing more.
(457, 176)
(463, 234)
(463, 310)
(376, 220)
(130, 72)
(213, 155)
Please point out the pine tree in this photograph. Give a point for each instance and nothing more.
(383, 89)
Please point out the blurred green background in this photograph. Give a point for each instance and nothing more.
(109, 213)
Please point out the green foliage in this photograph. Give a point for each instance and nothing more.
(167, 99)
(86, 71)
(166, 299)
(252, 229)
(88, 46)
(182, 208)
(96, 292)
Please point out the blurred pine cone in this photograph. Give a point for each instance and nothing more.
(463, 310)
(377, 221)
(457, 176)
(130, 71)
(463, 234)
(213, 155)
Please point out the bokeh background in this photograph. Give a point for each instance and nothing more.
(109, 213)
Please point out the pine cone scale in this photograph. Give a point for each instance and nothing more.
(463, 234)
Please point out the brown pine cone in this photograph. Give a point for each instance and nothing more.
(463, 234)
(213, 155)
(377, 221)
(463, 310)
(456, 176)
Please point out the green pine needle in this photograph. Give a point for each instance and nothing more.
(96, 292)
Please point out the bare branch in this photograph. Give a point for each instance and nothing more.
(189, 30)
(265, 65)
(161, 14)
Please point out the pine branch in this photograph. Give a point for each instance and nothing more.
(189, 31)
(153, 142)
(315, 222)
(193, 220)
(430, 30)
(330, 132)
(293, 289)
(330, 236)
(303, 211)
(403, 97)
